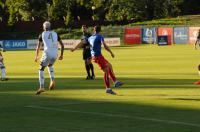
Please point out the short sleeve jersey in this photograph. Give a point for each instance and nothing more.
(95, 42)
(85, 37)
(50, 40)
(198, 36)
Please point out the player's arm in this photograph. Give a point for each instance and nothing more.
(1, 58)
(108, 49)
(1, 55)
(62, 49)
(38, 48)
(79, 45)
(197, 41)
(2, 49)
(195, 44)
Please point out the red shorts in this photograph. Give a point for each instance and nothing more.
(101, 61)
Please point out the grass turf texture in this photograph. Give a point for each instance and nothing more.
(158, 95)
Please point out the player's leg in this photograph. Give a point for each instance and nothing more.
(198, 82)
(3, 72)
(104, 66)
(89, 62)
(106, 78)
(41, 79)
(51, 74)
(87, 67)
(112, 75)
(107, 81)
(43, 64)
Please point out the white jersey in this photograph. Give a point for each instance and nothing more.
(50, 41)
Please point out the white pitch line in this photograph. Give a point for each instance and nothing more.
(116, 115)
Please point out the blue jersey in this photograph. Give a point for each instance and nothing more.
(95, 43)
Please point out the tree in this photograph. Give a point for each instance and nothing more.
(38, 9)
(2, 10)
(18, 10)
(122, 10)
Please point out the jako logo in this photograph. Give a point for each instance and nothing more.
(18, 44)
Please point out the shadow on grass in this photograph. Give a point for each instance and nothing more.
(37, 113)
(21, 112)
(80, 83)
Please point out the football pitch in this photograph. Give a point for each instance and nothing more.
(158, 95)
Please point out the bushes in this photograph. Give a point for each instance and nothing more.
(166, 21)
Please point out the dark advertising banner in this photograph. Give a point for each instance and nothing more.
(15, 44)
(132, 35)
(149, 35)
(181, 35)
(193, 33)
(162, 40)
(166, 31)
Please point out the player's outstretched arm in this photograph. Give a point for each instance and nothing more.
(62, 50)
(77, 46)
(2, 49)
(108, 49)
(37, 51)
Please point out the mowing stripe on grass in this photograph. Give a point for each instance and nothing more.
(116, 115)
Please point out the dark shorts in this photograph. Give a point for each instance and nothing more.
(86, 54)
(101, 61)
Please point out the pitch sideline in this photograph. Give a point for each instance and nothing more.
(115, 115)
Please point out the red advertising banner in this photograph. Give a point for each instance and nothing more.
(166, 32)
(193, 32)
(132, 35)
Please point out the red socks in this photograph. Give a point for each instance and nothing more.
(106, 80)
(112, 75)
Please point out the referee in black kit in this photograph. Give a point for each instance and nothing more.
(87, 54)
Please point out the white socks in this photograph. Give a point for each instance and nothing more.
(41, 78)
(3, 73)
(51, 73)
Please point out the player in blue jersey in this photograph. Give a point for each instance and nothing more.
(96, 40)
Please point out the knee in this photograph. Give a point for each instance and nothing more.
(50, 65)
(106, 69)
(109, 65)
(42, 68)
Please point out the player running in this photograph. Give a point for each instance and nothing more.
(96, 40)
(87, 54)
(2, 66)
(198, 40)
(50, 40)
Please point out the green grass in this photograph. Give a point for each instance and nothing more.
(158, 95)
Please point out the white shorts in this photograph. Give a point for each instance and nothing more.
(48, 59)
(1, 64)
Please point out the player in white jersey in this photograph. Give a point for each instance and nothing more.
(50, 40)
(2, 66)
